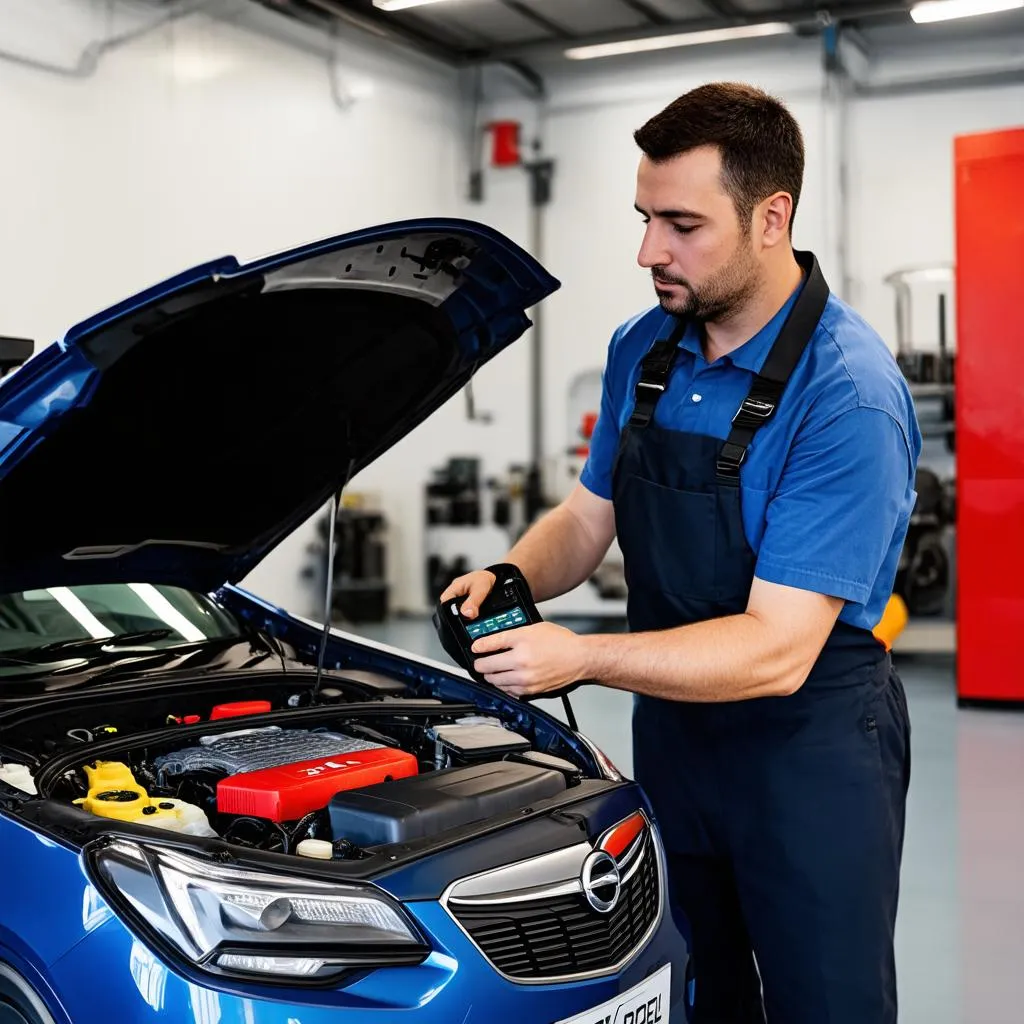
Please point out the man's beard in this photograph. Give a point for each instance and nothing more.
(719, 297)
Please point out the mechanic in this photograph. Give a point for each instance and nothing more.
(755, 454)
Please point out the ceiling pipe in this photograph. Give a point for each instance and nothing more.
(90, 57)
(849, 59)
(797, 16)
(933, 83)
(383, 26)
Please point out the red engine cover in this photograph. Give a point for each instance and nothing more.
(288, 792)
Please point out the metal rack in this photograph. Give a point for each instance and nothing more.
(930, 370)
(926, 354)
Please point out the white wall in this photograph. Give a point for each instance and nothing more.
(204, 138)
(901, 197)
(207, 137)
(899, 209)
(593, 232)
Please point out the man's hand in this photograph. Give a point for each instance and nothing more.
(477, 585)
(538, 658)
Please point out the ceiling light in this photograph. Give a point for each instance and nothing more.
(715, 35)
(947, 10)
(401, 5)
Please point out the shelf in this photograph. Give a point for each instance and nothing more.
(927, 636)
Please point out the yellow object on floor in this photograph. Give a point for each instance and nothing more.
(893, 621)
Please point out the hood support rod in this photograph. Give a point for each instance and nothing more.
(329, 573)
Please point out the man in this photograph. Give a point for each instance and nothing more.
(755, 453)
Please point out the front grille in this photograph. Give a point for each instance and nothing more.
(562, 936)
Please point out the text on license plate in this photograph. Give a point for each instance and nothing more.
(646, 1003)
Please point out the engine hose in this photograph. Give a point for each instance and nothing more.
(264, 825)
(285, 838)
(302, 827)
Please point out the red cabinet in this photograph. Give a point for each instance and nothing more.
(990, 415)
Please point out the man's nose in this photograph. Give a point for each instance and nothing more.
(652, 252)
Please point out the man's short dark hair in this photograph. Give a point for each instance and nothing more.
(760, 142)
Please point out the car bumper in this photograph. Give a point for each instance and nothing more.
(112, 976)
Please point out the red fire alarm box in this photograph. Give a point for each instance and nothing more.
(990, 415)
(504, 143)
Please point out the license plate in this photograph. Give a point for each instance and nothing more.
(646, 1003)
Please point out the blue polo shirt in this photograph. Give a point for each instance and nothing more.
(827, 487)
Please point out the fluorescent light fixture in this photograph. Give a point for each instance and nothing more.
(402, 5)
(947, 10)
(714, 35)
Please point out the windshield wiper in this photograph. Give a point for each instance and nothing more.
(85, 645)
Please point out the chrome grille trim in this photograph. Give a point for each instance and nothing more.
(647, 845)
(549, 870)
(562, 889)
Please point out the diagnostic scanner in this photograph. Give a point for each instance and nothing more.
(509, 605)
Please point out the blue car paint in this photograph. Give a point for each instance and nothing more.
(57, 930)
(50, 383)
(523, 272)
(134, 985)
(74, 950)
(87, 966)
(486, 311)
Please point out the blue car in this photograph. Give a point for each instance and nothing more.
(213, 811)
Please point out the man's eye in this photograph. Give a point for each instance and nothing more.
(683, 230)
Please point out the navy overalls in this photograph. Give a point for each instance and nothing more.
(782, 817)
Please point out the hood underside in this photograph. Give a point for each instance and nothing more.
(180, 436)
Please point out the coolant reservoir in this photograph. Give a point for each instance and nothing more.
(187, 818)
(19, 776)
(114, 793)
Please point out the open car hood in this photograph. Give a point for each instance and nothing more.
(179, 436)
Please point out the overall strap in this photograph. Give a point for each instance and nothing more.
(655, 369)
(765, 393)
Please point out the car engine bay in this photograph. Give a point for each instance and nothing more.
(329, 780)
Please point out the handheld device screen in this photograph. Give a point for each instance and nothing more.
(507, 619)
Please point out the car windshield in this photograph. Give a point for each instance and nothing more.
(78, 618)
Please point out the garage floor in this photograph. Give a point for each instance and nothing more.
(961, 925)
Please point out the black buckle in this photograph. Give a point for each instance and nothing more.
(753, 411)
(730, 458)
(640, 417)
(656, 364)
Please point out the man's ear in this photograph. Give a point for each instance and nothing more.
(772, 219)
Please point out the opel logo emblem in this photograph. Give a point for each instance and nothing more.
(601, 883)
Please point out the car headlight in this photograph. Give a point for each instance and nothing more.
(239, 922)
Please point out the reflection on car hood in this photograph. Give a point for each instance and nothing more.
(179, 436)
(220, 657)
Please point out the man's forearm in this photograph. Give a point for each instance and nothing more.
(733, 658)
(557, 553)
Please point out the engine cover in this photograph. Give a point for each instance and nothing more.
(290, 791)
